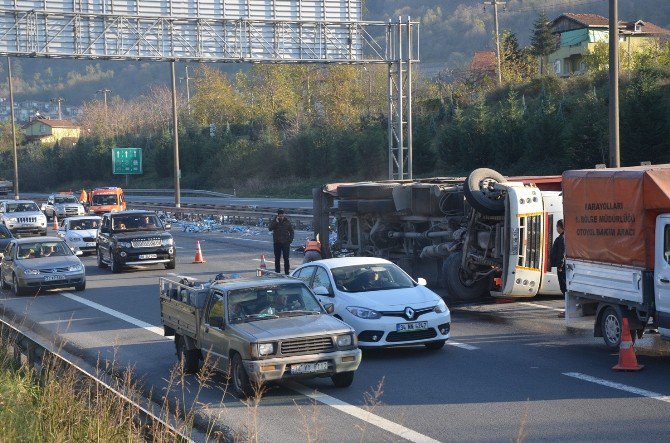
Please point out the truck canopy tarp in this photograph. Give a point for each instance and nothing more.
(610, 214)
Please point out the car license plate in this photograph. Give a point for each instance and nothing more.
(306, 368)
(54, 277)
(148, 256)
(416, 326)
(90, 243)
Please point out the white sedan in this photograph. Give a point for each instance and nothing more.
(80, 233)
(380, 301)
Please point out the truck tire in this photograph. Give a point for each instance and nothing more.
(611, 323)
(343, 379)
(455, 284)
(187, 357)
(242, 387)
(478, 195)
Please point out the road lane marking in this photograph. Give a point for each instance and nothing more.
(621, 387)
(536, 305)
(361, 414)
(134, 321)
(327, 400)
(462, 345)
(246, 239)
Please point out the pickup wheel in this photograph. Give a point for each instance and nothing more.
(188, 358)
(101, 264)
(457, 283)
(5, 285)
(479, 196)
(610, 326)
(242, 387)
(343, 379)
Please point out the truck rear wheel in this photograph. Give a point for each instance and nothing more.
(611, 326)
(457, 283)
(187, 357)
(479, 196)
(242, 387)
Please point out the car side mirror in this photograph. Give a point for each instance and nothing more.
(421, 281)
(216, 322)
(322, 290)
(329, 307)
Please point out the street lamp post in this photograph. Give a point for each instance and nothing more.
(104, 93)
(58, 100)
(11, 107)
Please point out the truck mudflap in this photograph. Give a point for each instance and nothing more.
(319, 365)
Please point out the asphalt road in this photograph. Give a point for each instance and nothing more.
(511, 369)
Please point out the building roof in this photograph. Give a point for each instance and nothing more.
(55, 123)
(483, 61)
(598, 21)
(588, 20)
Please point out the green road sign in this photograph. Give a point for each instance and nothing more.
(127, 160)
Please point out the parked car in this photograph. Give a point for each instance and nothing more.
(5, 237)
(23, 217)
(131, 238)
(380, 301)
(80, 233)
(62, 205)
(31, 264)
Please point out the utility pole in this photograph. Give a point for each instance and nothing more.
(495, 4)
(615, 160)
(188, 91)
(175, 128)
(11, 107)
(58, 100)
(104, 93)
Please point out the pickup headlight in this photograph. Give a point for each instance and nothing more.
(365, 313)
(123, 244)
(262, 349)
(12, 219)
(168, 241)
(31, 271)
(441, 307)
(344, 340)
(41, 217)
(74, 268)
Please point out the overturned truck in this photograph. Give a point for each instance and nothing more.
(479, 236)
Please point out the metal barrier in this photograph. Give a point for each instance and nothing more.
(200, 192)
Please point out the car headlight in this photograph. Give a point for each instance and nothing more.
(344, 341)
(41, 217)
(441, 307)
(365, 313)
(168, 241)
(262, 349)
(12, 219)
(31, 271)
(123, 244)
(74, 268)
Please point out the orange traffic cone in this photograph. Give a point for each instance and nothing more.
(262, 267)
(627, 359)
(198, 253)
(55, 226)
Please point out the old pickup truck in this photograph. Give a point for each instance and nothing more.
(257, 330)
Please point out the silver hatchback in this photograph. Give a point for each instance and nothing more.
(33, 264)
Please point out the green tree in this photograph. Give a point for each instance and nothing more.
(542, 41)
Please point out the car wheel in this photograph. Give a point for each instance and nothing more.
(343, 379)
(187, 357)
(80, 287)
(5, 285)
(457, 285)
(114, 265)
(101, 264)
(479, 196)
(18, 290)
(171, 264)
(611, 326)
(435, 345)
(242, 387)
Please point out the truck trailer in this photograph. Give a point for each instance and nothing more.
(617, 237)
(475, 236)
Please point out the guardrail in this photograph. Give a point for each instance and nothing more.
(200, 192)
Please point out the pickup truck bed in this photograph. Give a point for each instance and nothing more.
(181, 307)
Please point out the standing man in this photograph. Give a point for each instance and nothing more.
(282, 236)
(557, 257)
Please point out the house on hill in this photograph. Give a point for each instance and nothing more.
(578, 34)
(482, 65)
(51, 131)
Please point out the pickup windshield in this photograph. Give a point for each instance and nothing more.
(105, 199)
(65, 199)
(22, 207)
(136, 222)
(255, 304)
(370, 277)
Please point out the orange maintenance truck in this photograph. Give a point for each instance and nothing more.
(103, 200)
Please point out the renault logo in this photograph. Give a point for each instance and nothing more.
(409, 313)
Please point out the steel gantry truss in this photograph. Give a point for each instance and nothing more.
(267, 31)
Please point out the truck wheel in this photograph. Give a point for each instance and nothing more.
(343, 379)
(435, 345)
(187, 357)
(476, 192)
(101, 264)
(241, 384)
(458, 285)
(610, 326)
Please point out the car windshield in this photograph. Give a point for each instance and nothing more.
(105, 199)
(65, 199)
(22, 207)
(136, 222)
(41, 249)
(371, 277)
(254, 304)
(88, 223)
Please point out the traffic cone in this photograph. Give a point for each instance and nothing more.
(627, 359)
(55, 226)
(198, 253)
(262, 267)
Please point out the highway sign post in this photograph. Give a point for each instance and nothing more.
(127, 160)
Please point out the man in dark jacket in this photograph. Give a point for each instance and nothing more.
(282, 236)
(557, 257)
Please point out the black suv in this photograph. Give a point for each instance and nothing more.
(129, 238)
